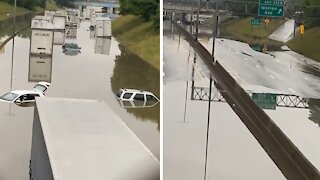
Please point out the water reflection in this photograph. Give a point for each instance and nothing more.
(58, 37)
(102, 45)
(40, 68)
(132, 72)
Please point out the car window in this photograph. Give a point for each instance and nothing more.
(126, 103)
(9, 96)
(127, 95)
(119, 93)
(139, 97)
(138, 103)
(151, 98)
(31, 97)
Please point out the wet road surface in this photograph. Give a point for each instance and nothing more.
(83, 76)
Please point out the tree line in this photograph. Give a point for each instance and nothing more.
(28, 4)
(149, 10)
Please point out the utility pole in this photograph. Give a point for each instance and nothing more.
(14, 34)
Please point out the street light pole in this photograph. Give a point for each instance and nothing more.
(14, 34)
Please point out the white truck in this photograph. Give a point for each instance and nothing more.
(75, 139)
(59, 22)
(40, 68)
(41, 41)
(86, 14)
(103, 27)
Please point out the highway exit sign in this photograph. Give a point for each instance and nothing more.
(265, 100)
(271, 8)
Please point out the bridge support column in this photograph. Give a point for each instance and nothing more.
(113, 10)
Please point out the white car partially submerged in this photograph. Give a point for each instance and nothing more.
(25, 96)
(133, 98)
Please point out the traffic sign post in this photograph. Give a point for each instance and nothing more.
(256, 22)
(271, 8)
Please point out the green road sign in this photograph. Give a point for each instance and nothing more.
(265, 100)
(271, 8)
(256, 22)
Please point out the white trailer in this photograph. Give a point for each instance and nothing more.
(41, 41)
(75, 139)
(71, 33)
(44, 22)
(86, 14)
(59, 37)
(59, 22)
(102, 46)
(40, 68)
(103, 27)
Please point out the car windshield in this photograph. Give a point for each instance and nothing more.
(40, 88)
(9, 96)
(72, 46)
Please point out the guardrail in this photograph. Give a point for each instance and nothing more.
(291, 162)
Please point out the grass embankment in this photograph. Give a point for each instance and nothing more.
(241, 30)
(138, 37)
(309, 45)
(6, 10)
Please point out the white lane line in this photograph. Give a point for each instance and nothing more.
(307, 79)
(292, 90)
(246, 59)
(237, 52)
(258, 66)
(271, 76)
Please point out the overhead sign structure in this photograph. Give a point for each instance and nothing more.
(271, 8)
(265, 100)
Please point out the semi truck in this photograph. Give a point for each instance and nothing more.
(75, 139)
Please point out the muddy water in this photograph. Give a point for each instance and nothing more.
(232, 150)
(84, 75)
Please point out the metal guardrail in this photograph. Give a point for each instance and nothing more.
(283, 100)
(291, 162)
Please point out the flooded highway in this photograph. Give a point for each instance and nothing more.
(233, 152)
(90, 74)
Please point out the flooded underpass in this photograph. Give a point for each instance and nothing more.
(96, 72)
(233, 152)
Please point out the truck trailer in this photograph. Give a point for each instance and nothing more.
(75, 139)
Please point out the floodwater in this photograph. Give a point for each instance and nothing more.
(91, 74)
(233, 153)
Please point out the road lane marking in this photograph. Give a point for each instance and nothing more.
(292, 90)
(258, 66)
(271, 76)
(246, 59)
(307, 79)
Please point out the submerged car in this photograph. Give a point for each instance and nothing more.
(25, 96)
(132, 98)
(71, 49)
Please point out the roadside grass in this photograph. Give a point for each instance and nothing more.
(309, 45)
(6, 8)
(138, 37)
(50, 6)
(241, 29)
